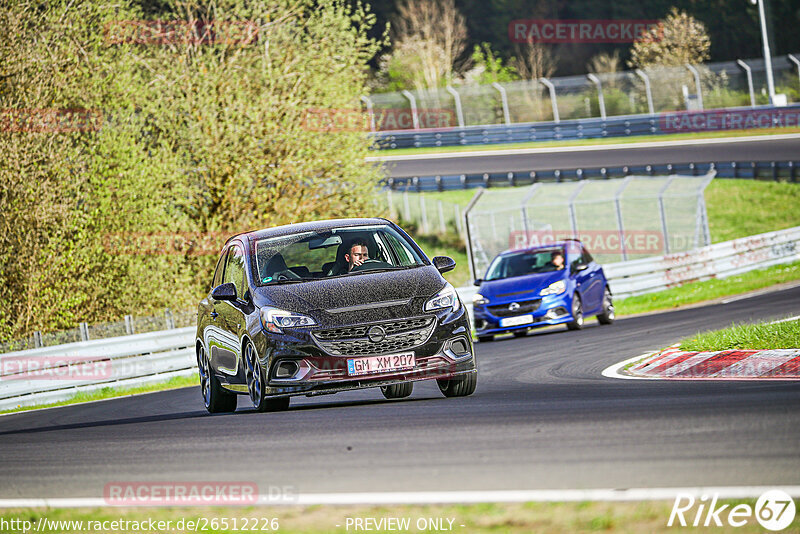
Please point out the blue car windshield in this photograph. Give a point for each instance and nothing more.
(343, 251)
(526, 262)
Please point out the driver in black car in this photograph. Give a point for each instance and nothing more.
(356, 254)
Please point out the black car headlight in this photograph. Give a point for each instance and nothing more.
(275, 320)
(444, 299)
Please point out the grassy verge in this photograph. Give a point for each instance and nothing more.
(783, 335)
(709, 290)
(544, 518)
(110, 392)
(584, 142)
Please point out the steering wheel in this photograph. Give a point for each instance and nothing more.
(372, 264)
(286, 274)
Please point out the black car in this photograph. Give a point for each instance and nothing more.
(322, 307)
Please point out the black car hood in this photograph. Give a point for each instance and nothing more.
(361, 297)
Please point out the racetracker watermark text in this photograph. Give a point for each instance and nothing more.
(582, 31)
(181, 32)
(598, 241)
(50, 120)
(382, 119)
(728, 119)
(193, 493)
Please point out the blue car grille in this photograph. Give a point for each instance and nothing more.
(525, 306)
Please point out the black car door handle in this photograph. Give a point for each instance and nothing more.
(214, 315)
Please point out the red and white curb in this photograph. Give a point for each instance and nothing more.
(675, 364)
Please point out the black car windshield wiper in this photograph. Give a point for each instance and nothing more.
(287, 281)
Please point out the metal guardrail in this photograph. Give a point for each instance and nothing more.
(57, 373)
(622, 126)
(720, 260)
(771, 170)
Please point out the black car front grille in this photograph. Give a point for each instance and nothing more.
(359, 331)
(353, 341)
(525, 306)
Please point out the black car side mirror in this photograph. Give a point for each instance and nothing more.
(225, 291)
(444, 264)
(577, 267)
(477, 282)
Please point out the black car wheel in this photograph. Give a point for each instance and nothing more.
(215, 398)
(577, 314)
(397, 391)
(607, 315)
(460, 386)
(484, 339)
(255, 384)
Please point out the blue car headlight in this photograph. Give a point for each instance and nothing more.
(275, 320)
(556, 288)
(446, 298)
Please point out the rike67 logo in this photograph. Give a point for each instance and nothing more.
(774, 510)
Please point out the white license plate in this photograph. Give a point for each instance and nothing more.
(380, 364)
(516, 321)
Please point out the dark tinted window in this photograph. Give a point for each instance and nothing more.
(218, 272)
(234, 270)
(523, 263)
(313, 255)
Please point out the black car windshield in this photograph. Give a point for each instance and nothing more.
(526, 262)
(343, 251)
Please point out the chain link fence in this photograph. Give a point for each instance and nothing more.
(618, 219)
(648, 91)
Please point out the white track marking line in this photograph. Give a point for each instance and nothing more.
(613, 371)
(447, 497)
(581, 148)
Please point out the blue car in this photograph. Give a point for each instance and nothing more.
(546, 285)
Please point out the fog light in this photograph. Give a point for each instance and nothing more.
(459, 346)
(286, 369)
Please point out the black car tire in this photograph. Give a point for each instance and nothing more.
(607, 315)
(460, 386)
(256, 382)
(577, 314)
(398, 391)
(485, 339)
(216, 399)
(521, 333)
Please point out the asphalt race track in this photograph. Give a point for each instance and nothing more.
(722, 150)
(542, 417)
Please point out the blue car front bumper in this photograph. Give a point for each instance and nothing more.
(497, 318)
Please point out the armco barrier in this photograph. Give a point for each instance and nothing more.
(51, 374)
(757, 170)
(622, 126)
(38, 376)
(720, 260)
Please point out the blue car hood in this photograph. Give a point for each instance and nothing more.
(519, 287)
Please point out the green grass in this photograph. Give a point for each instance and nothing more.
(760, 336)
(741, 208)
(584, 142)
(111, 392)
(708, 290)
(516, 518)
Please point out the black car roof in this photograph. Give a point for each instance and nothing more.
(313, 226)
